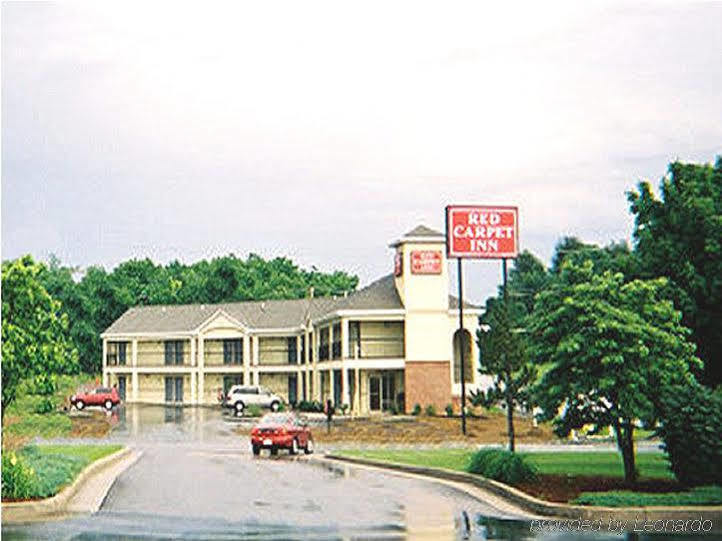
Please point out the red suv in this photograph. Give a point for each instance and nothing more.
(281, 430)
(102, 396)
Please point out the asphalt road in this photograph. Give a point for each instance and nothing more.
(198, 480)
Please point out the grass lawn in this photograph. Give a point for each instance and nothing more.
(587, 478)
(651, 465)
(56, 466)
(22, 423)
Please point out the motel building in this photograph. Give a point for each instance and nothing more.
(392, 344)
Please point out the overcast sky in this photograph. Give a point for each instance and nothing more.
(323, 131)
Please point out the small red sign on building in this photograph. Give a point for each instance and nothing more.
(425, 262)
(476, 231)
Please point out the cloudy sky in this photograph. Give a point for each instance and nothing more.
(323, 131)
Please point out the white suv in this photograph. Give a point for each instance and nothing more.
(240, 396)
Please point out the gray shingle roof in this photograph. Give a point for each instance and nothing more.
(423, 231)
(271, 314)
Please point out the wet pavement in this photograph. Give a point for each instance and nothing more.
(198, 480)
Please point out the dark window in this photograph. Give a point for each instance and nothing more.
(233, 351)
(122, 347)
(292, 394)
(116, 353)
(174, 352)
(303, 349)
(292, 351)
(336, 346)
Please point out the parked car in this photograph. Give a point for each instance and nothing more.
(101, 396)
(241, 396)
(281, 431)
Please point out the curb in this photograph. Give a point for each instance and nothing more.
(639, 515)
(56, 505)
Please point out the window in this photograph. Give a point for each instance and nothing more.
(323, 345)
(233, 351)
(336, 346)
(117, 353)
(174, 352)
(292, 351)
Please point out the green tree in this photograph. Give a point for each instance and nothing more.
(34, 332)
(680, 236)
(504, 357)
(612, 345)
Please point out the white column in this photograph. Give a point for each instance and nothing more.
(134, 385)
(331, 385)
(256, 354)
(330, 343)
(246, 359)
(134, 353)
(299, 386)
(298, 350)
(200, 391)
(193, 351)
(357, 392)
(344, 386)
(344, 338)
(194, 389)
(105, 360)
(256, 357)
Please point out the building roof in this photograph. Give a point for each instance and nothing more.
(270, 314)
(423, 231)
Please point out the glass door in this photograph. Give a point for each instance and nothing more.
(179, 389)
(374, 393)
(388, 392)
(169, 389)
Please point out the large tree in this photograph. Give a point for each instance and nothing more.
(680, 236)
(34, 331)
(612, 345)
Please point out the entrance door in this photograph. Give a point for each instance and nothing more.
(121, 387)
(374, 393)
(388, 391)
(337, 388)
(292, 388)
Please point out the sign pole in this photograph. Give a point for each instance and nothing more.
(503, 270)
(462, 347)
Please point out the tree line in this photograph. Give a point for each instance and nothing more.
(613, 336)
(52, 317)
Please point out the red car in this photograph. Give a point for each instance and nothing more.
(281, 430)
(102, 396)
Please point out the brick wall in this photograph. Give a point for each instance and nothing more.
(427, 383)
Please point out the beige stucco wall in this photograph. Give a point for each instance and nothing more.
(211, 384)
(379, 339)
(152, 352)
(151, 388)
(276, 383)
(273, 350)
(213, 352)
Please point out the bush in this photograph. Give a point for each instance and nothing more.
(18, 479)
(449, 409)
(691, 423)
(430, 410)
(310, 405)
(43, 384)
(45, 405)
(416, 410)
(281, 407)
(253, 410)
(393, 409)
(503, 466)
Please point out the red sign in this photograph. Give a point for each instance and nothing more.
(475, 231)
(426, 262)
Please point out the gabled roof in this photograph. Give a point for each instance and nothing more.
(423, 231)
(270, 314)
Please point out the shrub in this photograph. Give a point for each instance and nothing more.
(253, 410)
(449, 409)
(393, 409)
(43, 384)
(45, 405)
(710, 495)
(430, 410)
(416, 410)
(18, 479)
(503, 466)
(344, 409)
(691, 423)
(281, 407)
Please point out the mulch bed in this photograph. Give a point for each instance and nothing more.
(96, 425)
(427, 430)
(563, 489)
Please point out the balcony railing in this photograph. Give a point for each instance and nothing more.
(378, 348)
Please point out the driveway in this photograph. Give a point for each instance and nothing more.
(198, 480)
